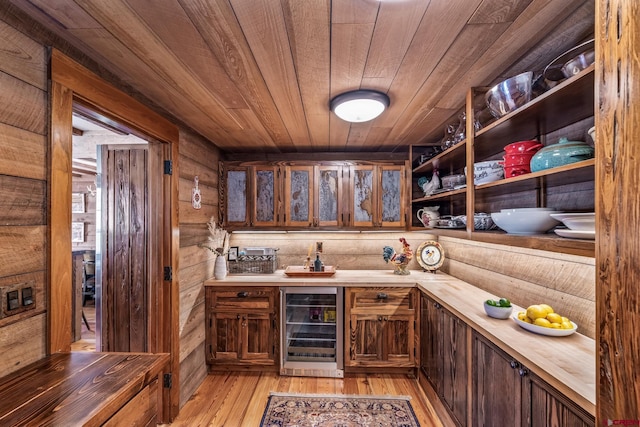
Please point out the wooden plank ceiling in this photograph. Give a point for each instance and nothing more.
(258, 75)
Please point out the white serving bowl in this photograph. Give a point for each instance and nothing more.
(487, 171)
(577, 221)
(514, 210)
(498, 312)
(525, 222)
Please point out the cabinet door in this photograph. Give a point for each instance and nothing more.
(454, 365)
(549, 407)
(363, 196)
(265, 196)
(235, 197)
(225, 342)
(329, 195)
(365, 340)
(257, 337)
(497, 386)
(392, 196)
(431, 342)
(298, 198)
(398, 340)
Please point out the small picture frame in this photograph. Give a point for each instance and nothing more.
(233, 253)
(77, 202)
(77, 232)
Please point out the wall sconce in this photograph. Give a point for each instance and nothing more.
(359, 105)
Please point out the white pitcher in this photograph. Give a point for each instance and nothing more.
(428, 214)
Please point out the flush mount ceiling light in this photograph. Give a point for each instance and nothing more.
(359, 105)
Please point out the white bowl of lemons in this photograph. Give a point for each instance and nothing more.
(541, 319)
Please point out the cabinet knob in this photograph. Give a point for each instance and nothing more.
(379, 318)
(243, 294)
(523, 372)
(437, 305)
(382, 295)
(514, 364)
(238, 317)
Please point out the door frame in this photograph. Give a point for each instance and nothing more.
(71, 82)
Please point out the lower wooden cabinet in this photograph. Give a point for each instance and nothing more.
(506, 393)
(380, 326)
(443, 356)
(242, 327)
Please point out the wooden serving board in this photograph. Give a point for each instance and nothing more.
(300, 271)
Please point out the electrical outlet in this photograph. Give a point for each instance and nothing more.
(17, 298)
(12, 300)
(27, 296)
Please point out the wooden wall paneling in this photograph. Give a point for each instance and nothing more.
(189, 215)
(28, 105)
(208, 193)
(192, 334)
(23, 58)
(192, 234)
(22, 153)
(617, 117)
(23, 343)
(193, 370)
(22, 201)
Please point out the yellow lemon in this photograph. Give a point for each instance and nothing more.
(527, 320)
(567, 325)
(536, 312)
(554, 318)
(522, 315)
(546, 308)
(556, 325)
(565, 319)
(541, 321)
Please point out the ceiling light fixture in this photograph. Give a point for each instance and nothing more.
(359, 105)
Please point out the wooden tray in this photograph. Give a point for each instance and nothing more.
(300, 271)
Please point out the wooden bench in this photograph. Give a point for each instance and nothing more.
(85, 389)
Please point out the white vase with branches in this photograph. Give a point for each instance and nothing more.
(218, 243)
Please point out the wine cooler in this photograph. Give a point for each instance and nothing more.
(312, 332)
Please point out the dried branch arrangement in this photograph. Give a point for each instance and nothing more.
(218, 240)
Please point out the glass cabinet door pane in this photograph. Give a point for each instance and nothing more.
(236, 196)
(265, 192)
(328, 196)
(391, 196)
(363, 195)
(299, 195)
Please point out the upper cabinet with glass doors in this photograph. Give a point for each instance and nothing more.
(314, 195)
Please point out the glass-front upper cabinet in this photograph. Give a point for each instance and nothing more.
(235, 197)
(364, 195)
(392, 196)
(267, 196)
(298, 196)
(329, 196)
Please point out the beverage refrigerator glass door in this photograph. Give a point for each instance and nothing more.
(312, 332)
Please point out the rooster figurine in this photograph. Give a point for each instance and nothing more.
(399, 260)
(429, 187)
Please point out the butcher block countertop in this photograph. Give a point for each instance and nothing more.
(567, 363)
(76, 389)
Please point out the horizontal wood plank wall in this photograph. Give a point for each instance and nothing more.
(527, 276)
(23, 174)
(347, 250)
(197, 158)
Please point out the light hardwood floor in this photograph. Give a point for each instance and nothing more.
(87, 341)
(232, 399)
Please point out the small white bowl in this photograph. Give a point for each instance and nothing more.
(486, 172)
(525, 222)
(498, 312)
(578, 221)
(527, 209)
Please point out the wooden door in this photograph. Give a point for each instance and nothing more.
(257, 337)
(226, 336)
(126, 268)
(365, 340)
(398, 339)
(454, 365)
(497, 386)
(431, 342)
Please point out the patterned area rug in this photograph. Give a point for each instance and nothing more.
(316, 410)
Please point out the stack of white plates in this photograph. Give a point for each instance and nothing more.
(579, 225)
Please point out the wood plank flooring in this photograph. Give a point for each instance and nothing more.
(87, 341)
(238, 398)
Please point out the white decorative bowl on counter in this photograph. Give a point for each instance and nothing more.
(497, 312)
(524, 222)
(551, 332)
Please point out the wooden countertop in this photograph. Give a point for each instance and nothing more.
(567, 363)
(80, 388)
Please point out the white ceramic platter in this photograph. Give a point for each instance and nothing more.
(575, 234)
(542, 330)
